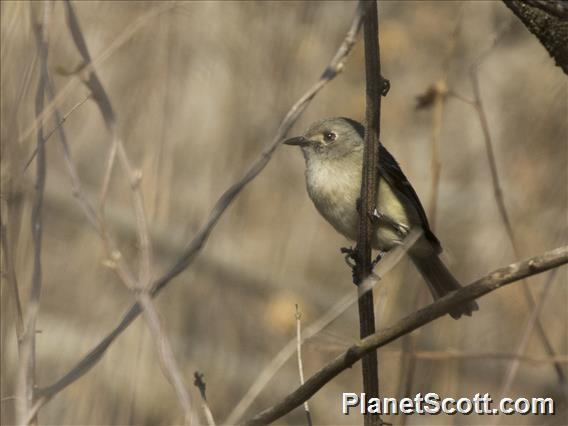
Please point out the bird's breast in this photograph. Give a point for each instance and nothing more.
(335, 190)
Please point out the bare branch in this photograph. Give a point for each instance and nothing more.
(334, 68)
(491, 282)
(369, 196)
(168, 362)
(77, 188)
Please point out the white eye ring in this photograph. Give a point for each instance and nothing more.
(329, 136)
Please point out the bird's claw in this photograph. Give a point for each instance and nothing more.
(350, 256)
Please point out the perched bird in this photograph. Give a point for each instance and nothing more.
(333, 150)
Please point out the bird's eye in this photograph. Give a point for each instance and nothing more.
(329, 136)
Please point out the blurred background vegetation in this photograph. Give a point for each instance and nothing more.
(199, 90)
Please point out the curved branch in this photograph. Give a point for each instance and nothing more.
(491, 282)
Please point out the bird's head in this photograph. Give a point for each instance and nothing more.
(330, 138)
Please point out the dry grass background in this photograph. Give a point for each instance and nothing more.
(199, 90)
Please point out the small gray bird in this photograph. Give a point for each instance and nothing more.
(333, 150)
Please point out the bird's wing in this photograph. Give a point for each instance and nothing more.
(391, 172)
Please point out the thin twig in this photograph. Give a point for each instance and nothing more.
(334, 68)
(300, 363)
(107, 175)
(168, 363)
(77, 188)
(498, 193)
(136, 377)
(491, 282)
(27, 363)
(200, 384)
(60, 122)
(369, 195)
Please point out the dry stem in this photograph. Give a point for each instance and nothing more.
(300, 363)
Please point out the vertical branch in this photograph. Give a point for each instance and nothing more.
(369, 191)
(27, 368)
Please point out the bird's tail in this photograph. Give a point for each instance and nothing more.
(440, 281)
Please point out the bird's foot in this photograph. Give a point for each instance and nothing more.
(351, 260)
(350, 256)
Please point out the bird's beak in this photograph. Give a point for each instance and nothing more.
(298, 140)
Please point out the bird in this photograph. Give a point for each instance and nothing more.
(333, 152)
